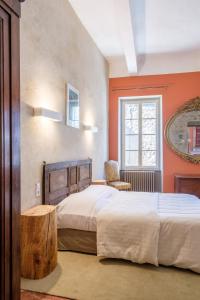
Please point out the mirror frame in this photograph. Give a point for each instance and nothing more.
(191, 105)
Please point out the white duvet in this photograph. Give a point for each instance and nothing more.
(79, 210)
(156, 228)
(151, 227)
(129, 227)
(179, 239)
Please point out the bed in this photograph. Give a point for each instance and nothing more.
(156, 228)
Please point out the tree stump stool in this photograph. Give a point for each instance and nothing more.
(38, 241)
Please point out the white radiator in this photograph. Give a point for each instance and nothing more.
(142, 181)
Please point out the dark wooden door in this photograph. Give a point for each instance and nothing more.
(9, 151)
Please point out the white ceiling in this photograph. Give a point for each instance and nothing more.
(99, 20)
(126, 30)
(167, 25)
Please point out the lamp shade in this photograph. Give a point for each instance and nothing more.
(90, 128)
(47, 113)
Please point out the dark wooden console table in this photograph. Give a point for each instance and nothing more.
(187, 184)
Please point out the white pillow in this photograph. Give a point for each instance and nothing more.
(101, 190)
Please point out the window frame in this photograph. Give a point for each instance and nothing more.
(121, 146)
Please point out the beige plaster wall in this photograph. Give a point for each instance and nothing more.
(56, 49)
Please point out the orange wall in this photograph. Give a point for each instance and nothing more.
(175, 90)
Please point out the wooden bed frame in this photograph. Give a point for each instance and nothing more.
(59, 181)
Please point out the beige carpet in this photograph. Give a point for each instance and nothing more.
(86, 277)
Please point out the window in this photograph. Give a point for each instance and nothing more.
(140, 133)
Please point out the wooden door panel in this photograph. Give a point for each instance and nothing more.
(9, 155)
(13, 5)
(5, 153)
(15, 156)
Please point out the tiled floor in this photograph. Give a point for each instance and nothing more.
(26, 295)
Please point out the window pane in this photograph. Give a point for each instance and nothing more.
(148, 126)
(149, 142)
(131, 111)
(131, 126)
(149, 158)
(131, 142)
(148, 110)
(131, 158)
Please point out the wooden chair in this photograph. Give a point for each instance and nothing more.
(113, 176)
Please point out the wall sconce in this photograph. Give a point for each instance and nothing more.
(90, 128)
(47, 113)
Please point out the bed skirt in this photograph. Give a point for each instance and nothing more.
(77, 240)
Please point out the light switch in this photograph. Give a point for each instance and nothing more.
(37, 189)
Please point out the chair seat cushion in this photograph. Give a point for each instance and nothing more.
(120, 185)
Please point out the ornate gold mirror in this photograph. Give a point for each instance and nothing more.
(183, 131)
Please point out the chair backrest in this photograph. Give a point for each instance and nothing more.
(112, 170)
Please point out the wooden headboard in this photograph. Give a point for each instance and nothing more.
(64, 178)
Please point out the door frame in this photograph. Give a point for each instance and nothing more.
(10, 152)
